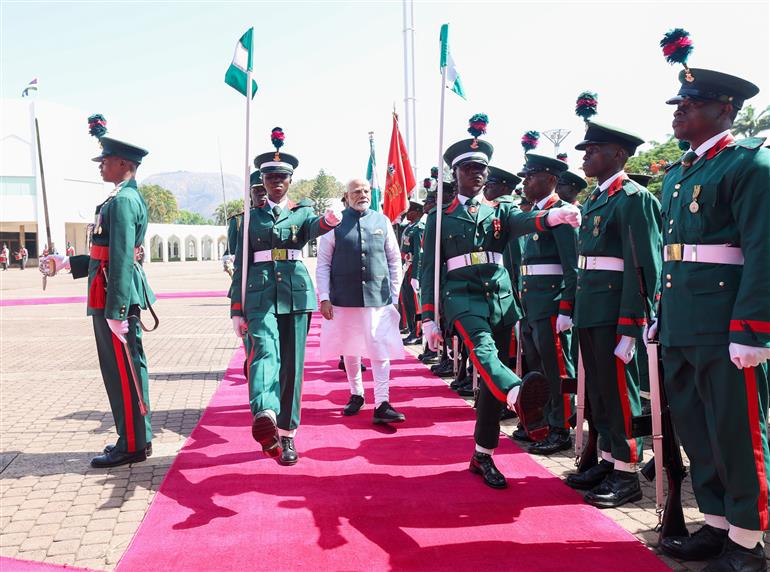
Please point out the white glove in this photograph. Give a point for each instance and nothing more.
(747, 356)
(568, 214)
(415, 284)
(239, 326)
(331, 218)
(512, 395)
(431, 334)
(563, 324)
(650, 331)
(625, 348)
(60, 261)
(118, 327)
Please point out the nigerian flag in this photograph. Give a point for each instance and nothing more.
(371, 176)
(242, 64)
(452, 77)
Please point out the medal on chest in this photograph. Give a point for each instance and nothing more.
(597, 222)
(497, 226)
(535, 236)
(694, 206)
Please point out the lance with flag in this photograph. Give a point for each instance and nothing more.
(371, 176)
(238, 76)
(399, 182)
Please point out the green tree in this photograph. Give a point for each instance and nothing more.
(233, 207)
(161, 203)
(188, 217)
(325, 188)
(301, 189)
(653, 162)
(750, 123)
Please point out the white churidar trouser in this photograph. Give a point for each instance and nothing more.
(380, 371)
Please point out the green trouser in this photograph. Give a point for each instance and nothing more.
(551, 354)
(134, 429)
(720, 415)
(409, 303)
(275, 346)
(488, 347)
(642, 363)
(612, 388)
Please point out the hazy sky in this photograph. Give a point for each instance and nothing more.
(329, 72)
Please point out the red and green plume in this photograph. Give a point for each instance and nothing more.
(562, 157)
(97, 125)
(427, 183)
(677, 46)
(434, 172)
(586, 104)
(530, 140)
(478, 124)
(277, 137)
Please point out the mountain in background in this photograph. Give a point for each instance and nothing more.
(198, 192)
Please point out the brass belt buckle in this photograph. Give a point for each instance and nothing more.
(279, 254)
(524, 271)
(582, 262)
(477, 258)
(674, 252)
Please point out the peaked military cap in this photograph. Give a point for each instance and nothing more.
(601, 133)
(112, 146)
(714, 86)
(640, 178)
(415, 202)
(468, 151)
(536, 162)
(256, 179)
(573, 179)
(497, 175)
(275, 162)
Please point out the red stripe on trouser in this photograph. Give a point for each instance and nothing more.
(128, 409)
(562, 371)
(482, 372)
(512, 346)
(752, 397)
(625, 405)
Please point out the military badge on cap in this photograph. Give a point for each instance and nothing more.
(542, 163)
(601, 133)
(97, 127)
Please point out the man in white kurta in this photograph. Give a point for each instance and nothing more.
(358, 277)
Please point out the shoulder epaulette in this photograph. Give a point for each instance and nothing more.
(750, 143)
(632, 187)
(304, 203)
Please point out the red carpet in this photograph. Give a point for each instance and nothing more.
(363, 498)
(15, 565)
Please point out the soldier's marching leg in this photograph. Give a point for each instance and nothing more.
(532, 362)
(293, 329)
(410, 310)
(132, 427)
(615, 388)
(264, 362)
(555, 355)
(488, 352)
(720, 414)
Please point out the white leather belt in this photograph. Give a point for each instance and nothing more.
(473, 258)
(709, 253)
(277, 254)
(542, 270)
(600, 263)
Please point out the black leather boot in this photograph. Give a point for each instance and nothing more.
(482, 464)
(704, 544)
(592, 477)
(619, 488)
(289, 453)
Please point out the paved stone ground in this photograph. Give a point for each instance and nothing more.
(54, 417)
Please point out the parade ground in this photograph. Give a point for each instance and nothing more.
(360, 497)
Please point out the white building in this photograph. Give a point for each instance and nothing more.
(73, 187)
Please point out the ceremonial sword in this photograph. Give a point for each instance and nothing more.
(51, 263)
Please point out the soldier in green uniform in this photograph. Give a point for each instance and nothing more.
(476, 291)
(549, 277)
(569, 187)
(714, 318)
(279, 300)
(117, 291)
(609, 314)
(408, 297)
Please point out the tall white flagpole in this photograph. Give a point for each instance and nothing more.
(414, 95)
(439, 204)
(246, 191)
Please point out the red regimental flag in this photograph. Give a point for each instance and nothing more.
(399, 182)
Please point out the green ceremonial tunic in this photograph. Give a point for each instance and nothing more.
(544, 297)
(279, 299)
(409, 299)
(720, 412)
(118, 289)
(478, 299)
(608, 306)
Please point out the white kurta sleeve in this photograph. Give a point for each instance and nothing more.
(393, 254)
(324, 265)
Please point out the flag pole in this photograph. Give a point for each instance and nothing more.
(246, 189)
(222, 178)
(439, 203)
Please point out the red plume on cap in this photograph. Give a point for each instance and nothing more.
(530, 140)
(477, 127)
(586, 105)
(277, 137)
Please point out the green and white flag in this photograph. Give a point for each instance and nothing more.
(242, 64)
(371, 176)
(452, 77)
